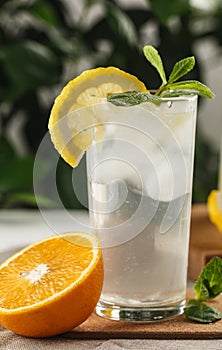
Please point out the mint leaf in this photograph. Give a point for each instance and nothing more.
(154, 58)
(181, 68)
(208, 286)
(192, 86)
(177, 93)
(200, 312)
(209, 283)
(132, 98)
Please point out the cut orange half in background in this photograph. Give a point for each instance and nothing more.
(51, 286)
(214, 204)
(70, 121)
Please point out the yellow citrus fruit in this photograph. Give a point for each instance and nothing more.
(214, 204)
(51, 286)
(70, 122)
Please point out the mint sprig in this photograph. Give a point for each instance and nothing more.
(168, 88)
(180, 69)
(207, 287)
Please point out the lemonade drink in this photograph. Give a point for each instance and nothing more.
(140, 150)
(139, 184)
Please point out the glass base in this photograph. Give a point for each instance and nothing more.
(139, 314)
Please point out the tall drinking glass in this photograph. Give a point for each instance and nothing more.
(140, 169)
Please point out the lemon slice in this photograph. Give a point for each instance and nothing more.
(70, 122)
(214, 204)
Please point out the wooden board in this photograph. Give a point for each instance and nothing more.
(205, 241)
(96, 327)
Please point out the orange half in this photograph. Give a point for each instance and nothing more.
(51, 286)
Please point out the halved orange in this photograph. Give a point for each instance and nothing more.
(214, 204)
(70, 122)
(51, 286)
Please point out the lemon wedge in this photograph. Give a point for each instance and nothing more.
(214, 204)
(70, 122)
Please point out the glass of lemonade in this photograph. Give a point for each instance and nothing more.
(139, 170)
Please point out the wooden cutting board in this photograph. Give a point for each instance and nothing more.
(96, 327)
(205, 241)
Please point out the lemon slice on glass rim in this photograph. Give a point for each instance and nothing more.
(70, 122)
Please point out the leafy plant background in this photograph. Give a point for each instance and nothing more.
(44, 43)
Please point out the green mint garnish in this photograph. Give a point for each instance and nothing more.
(181, 68)
(209, 283)
(192, 86)
(132, 98)
(154, 58)
(170, 88)
(207, 287)
(201, 313)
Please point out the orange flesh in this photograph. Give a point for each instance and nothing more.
(63, 262)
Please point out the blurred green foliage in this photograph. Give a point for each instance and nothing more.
(44, 43)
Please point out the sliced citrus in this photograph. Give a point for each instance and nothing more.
(214, 204)
(51, 286)
(70, 122)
